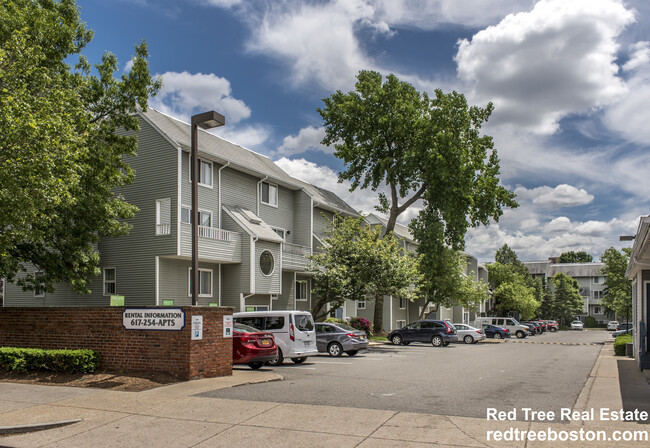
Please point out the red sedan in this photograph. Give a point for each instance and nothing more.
(252, 346)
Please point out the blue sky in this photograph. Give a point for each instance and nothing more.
(569, 80)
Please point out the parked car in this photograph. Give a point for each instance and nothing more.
(293, 332)
(553, 326)
(577, 325)
(468, 334)
(625, 331)
(492, 331)
(612, 325)
(543, 325)
(534, 328)
(252, 346)
(624, 326)
(437, 332)
(337, 339)
(514, 327)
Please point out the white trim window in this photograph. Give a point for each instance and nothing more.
(269, 194)
(596, 279)
(400, 323)
(163, 216)
(205, 172)
(205, 216)
(281, 232)
(361, 304)
(597, 310)
(110, 281)
(301, 290)
(402, 303)
(205, 282)
(39, 291)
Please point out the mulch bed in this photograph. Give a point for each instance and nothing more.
(131, 382)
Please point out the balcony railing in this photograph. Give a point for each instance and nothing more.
(163, 229)
(215, 234)
(296, 249)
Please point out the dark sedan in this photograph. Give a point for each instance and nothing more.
(337, 339)
(438, 333)
(252, 346)
(492, 331)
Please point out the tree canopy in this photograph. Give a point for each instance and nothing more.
(424, 150)
(575, 257)
(60, 155)
(566, 301)
(618, 292)
(356, 263)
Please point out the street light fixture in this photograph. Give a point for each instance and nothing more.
(206, 120)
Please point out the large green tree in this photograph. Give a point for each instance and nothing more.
(61, 159)
(422, 149)
(566, 301)
(356, 263)
(618, 292)
(575, 257)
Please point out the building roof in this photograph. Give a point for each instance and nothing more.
(219, 149)
(537, 267)
(252, 224)
(640, 256)
(576, 269)
(243, 159)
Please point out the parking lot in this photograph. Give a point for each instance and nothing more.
(545, 372)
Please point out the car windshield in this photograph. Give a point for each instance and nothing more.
(515, 321)
(244, 328)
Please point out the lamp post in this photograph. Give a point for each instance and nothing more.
(206, 120)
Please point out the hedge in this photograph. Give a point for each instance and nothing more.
(33, 359)
(620, 342)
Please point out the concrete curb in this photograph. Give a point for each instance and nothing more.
(19, 429)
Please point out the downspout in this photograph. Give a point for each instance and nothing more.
(258, 194)
(227, 164)
(252, 274)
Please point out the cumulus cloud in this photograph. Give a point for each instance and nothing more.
(561, 196)
(540, 66)
(249, 136)
(185, 93)
(308, 138)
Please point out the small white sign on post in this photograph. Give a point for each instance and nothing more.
(227, 326)
(197, 327)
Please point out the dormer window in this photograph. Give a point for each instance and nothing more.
(269, 194)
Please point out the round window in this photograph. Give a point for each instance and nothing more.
(266, 262)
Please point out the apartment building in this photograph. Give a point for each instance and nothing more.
(591, 283)
(257, 225)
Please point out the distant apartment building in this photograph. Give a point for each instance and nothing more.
(591, 283)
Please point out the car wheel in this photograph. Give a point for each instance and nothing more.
(335, 349)
(299, 360)
(396, 340)
(255, 365)
(468, 339)
(437, 341)
(553, 330)
(497, 336)
(277, 361)
(520, 334)
(352, 352)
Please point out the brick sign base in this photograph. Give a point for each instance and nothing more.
(101, 329)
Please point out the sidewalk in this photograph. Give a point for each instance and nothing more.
(172, 416)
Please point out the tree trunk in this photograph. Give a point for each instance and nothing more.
(317, 309)
(378, 320)
(424, 308)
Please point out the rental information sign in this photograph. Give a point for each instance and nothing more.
(169, 319)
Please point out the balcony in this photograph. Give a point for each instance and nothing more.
(217, 245)
(163, 229)
(294, 257)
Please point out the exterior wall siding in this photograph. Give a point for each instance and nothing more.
(282, 215)
(175, 283)
(267, 284)
(238, 189)
(302, 217)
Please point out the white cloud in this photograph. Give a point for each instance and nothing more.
(251, 136)
(129, 65)
(223, 3)
(540, 66)
(559, 224)
(308, 138)
(184, 94)
(561, 196)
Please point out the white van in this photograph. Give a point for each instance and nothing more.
(293, 331)
(514, 327)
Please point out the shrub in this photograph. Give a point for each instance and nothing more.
(361, 324)
(33, 359)
(590, 322)
(620, 342)
(334, 320)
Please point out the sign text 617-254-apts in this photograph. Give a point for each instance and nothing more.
(168, 319)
